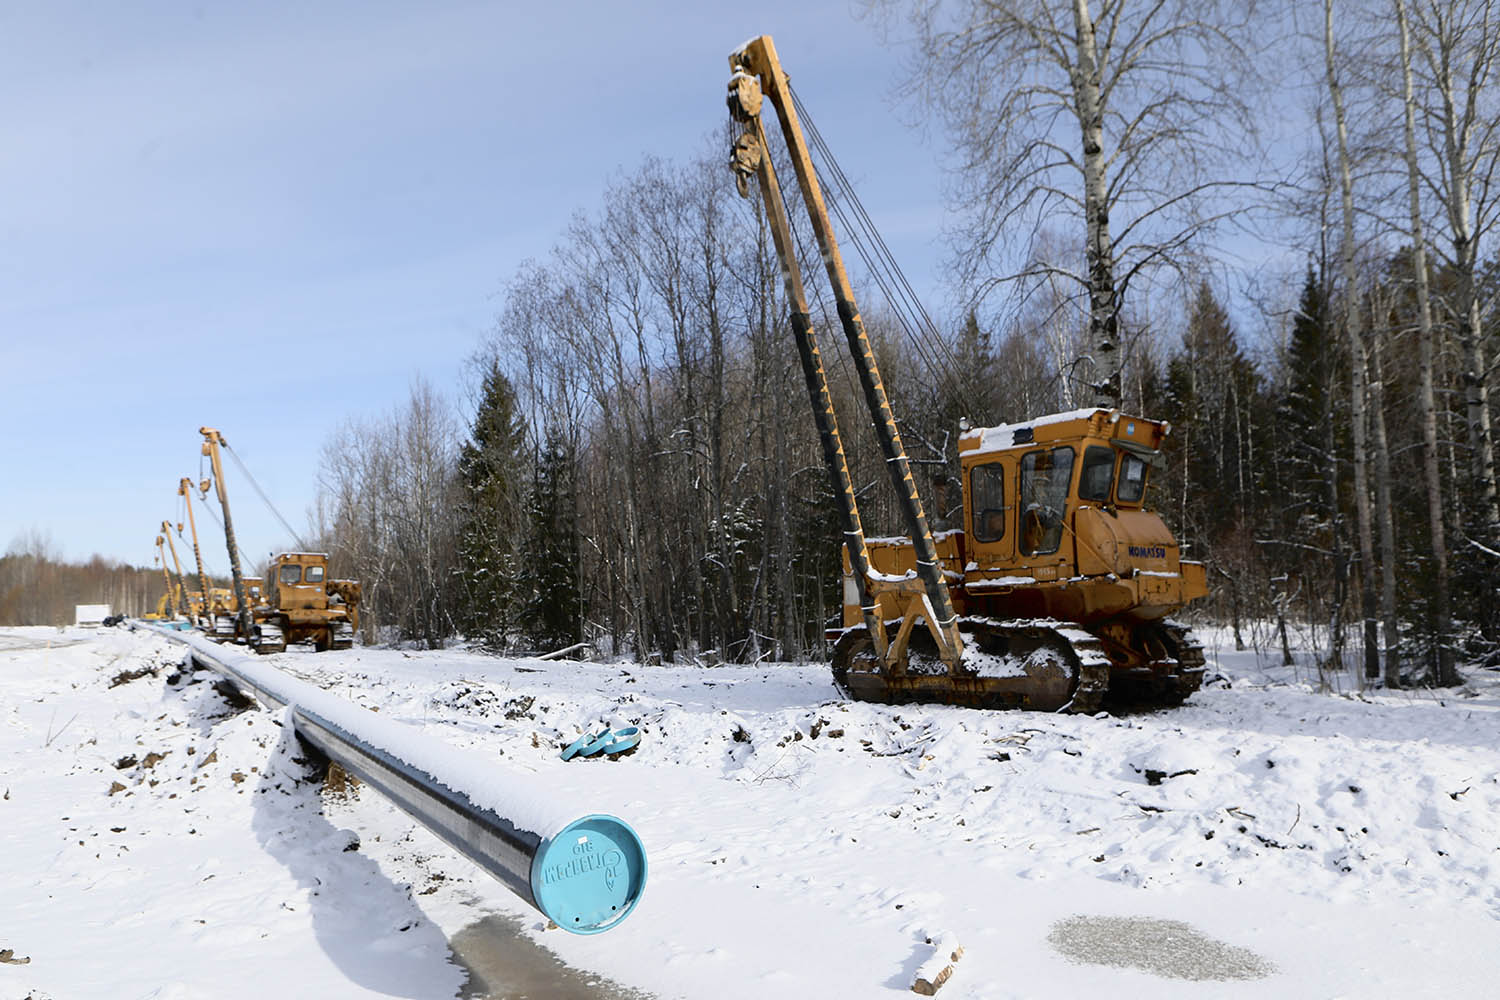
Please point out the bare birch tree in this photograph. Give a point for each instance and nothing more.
(1110, 112)
(1354, 332)
(1384, 506)
(388, 488)
(1426, 337)
(1459, 45)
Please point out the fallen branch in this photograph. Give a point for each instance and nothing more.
(901, 750)
(51, 735)
(1484, 548)
(557, 653)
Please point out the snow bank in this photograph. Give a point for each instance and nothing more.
(1332, 844)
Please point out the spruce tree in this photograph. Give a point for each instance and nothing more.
(1312, 431)
(1309, 413)
(548, 575)
(1223, 387)
(492, 472)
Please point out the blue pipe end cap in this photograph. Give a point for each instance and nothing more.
(590, 875)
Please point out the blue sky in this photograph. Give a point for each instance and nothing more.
(270, 217)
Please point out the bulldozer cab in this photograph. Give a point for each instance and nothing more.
(297, 580)
(1062, 496)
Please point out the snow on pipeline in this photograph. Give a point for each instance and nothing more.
(159, 840)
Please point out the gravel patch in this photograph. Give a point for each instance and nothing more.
(1167, 948)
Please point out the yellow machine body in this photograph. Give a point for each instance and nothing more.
(1055, 528)
(304, 605)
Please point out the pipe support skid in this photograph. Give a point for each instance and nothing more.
(584, 872)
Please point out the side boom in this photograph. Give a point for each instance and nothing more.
(757, 75)
(185, 490)
(211, 441)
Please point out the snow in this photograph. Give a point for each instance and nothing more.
(1002, 437)
(992, 665)
(999, 582)
(1263, 840)
(904, 540)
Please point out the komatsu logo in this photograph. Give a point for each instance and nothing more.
(1148, 552)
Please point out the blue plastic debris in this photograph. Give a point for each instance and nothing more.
(622, 740)
(586, 745)
(605, 741)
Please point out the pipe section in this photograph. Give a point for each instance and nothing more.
(585, 873)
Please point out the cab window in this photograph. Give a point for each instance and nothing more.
(1045, 479)
(1098, 473)
(987, 494)
(290, 573)
(1132, 479)
(314, 574)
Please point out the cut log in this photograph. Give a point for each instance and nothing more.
(936, 971)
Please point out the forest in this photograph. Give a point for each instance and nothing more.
(38, 586)
(1271, 225)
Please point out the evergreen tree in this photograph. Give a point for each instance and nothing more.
(968, 388)
(1229, 439)
(1309, 415)
(492, 474)
(548, 575)
(1209, 394)
(1312, 432)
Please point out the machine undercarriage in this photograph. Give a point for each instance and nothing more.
(1047, 666)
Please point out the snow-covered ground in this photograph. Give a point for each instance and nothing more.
(1263, 840)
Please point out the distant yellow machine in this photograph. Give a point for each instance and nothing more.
(296, 602)
(304, 605)
(166, 605)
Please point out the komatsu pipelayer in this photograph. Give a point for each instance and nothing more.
(1059, 586)
(296, 602)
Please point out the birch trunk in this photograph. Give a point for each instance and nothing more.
(1471, 338)
(1357, 360)
(637, 592)
(1476, 390)
(728, 617)
(1446, 41)
(1103, 305)
(1426, 395)
(1386, 521)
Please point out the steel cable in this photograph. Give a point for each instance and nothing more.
(864, 236)
(262, 493)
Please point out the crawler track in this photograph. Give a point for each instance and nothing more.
(1038, 665)
(1046, 666)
